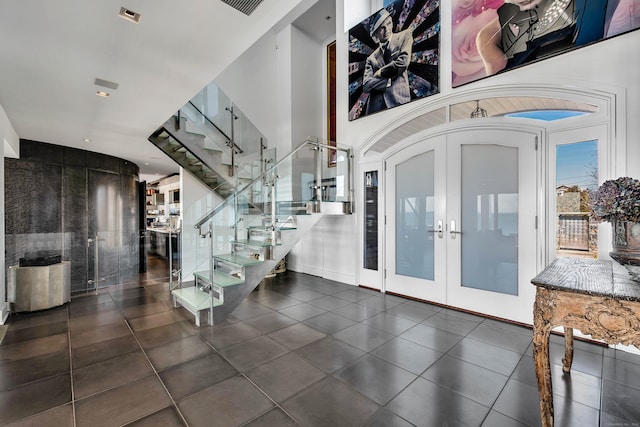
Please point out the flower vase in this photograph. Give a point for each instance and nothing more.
(626, 246)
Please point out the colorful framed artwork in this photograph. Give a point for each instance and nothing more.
(394, 57)
(493, 36)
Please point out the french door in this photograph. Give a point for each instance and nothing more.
(461, 221)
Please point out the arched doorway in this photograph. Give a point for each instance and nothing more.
(434, 132)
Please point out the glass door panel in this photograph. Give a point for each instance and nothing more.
(415, 221)
(461, 221)
(576, 174)
(414, 217)
(578, 161)
(370, 244)
(491, 215)
(490, 218)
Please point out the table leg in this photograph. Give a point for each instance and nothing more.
(541, 333)
(567, 360)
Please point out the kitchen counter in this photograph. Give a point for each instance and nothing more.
(158, 240)
(166, 230)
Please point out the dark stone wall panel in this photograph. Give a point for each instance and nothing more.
(75, 198)
(42, 152)
(103, 201)
(75, 157)
(56, 198)
(105, 221)
(130, 206)
(75, 220)
(33, 194)
(128, 168)
(130, 248)
(129, 257)
(77, 254)
(102, 162)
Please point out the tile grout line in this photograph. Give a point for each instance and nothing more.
(73, 397)
(276, 404)
(155, 371)
(243, 374)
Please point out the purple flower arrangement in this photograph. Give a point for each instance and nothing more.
(617, 199)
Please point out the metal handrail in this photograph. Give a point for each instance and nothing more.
(230, 142)
(233, 198)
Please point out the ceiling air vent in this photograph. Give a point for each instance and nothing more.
(106, 83)
(244, 6)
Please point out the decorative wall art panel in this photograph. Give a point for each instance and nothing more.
(492, 36)
(394, 57)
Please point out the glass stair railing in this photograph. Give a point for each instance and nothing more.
(211, 138)
(186, 158)
(241, 240)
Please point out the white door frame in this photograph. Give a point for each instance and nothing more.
(492, 124)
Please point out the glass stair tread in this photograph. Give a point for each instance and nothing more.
(268, 228)
(301, 211)
(242, 261)
(255, 243)
(219, 279)
(195, 298)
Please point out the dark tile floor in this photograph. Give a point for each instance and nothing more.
(299, 351)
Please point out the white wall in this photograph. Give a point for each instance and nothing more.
(307, 85)
(610, 65)
(249, 84)
(291, 110)
(10, 148)
(328, 250)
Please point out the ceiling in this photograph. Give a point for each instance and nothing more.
(51, 53)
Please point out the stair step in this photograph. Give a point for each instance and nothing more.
(268, 228)
(255, 243)
(194, 299)
(219, 279)
(238, 260)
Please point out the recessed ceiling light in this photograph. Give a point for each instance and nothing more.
(102, 93)
(129, 15)
(86, 139)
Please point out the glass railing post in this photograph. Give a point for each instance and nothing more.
(350, 190)
(211, 245)
(170, 260)
(318, 186)
(273, 208)
(232, 143)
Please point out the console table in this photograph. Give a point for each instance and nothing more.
(598, 298)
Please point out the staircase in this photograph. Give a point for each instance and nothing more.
(216, 293)
(267, 207)
(243, 238)
(210, 138)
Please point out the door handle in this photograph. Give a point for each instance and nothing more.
(439, 229)
(453, 231)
